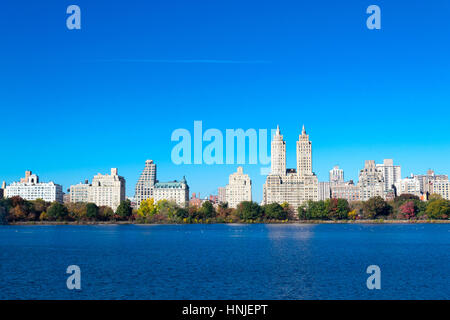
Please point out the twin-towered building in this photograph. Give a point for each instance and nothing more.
(294, 186)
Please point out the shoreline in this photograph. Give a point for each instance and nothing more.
(86, 223)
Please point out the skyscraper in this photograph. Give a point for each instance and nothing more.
(371, 181)
(336, 175)
(391, 174)
(304, 161)
(291, 185)
(278, 154)
(239, 188)
(144, 186)
(107, 189)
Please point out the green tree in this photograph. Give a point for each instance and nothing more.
(438, 209)
(248, 210)
(91, 211)
(313, 210)
(105, 213)
(434, 196)
(207, 210)
(124, 210)
(182, 213)
(337, 208)
(57, 211)
(376, 207)
(3, 215)
(167, 208)
(275, 211)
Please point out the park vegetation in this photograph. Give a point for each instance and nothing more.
(404, 207)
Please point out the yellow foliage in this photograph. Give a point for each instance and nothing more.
(148, 208)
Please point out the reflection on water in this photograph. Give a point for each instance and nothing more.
(279, 261)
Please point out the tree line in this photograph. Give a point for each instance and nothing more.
(404, 207)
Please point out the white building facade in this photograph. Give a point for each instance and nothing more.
(410, 185)
(105, 190)
(336, 175)
(177, 191)
(442, 188)
(371, 181)
(292, 186)
(239, 188)
(392, 174)
(29, 188)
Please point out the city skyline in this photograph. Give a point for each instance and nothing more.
(219, 184)
(78, 103)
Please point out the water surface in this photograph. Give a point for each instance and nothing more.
(321, 261)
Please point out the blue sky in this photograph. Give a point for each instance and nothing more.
(77, 102)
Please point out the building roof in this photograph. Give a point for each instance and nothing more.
(171, 184)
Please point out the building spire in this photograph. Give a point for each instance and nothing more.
(278, 130)
(303, 130)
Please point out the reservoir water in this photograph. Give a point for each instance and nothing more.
(258, 261)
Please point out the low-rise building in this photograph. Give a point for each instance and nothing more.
(29, 188)
(347, 190)
(177, 191)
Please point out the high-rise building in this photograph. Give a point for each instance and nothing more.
(304, 155)
(146, 182)
(222, 194)
(79, 192)
(336, 175)
(409, 185)
(177, 191)
(291, 186)
(239, 188)
(427, 180)
(324, 190)
(278, 154)
(371, 181)
(29, 188)
(441, 187)
(107, 189)
(392, 174)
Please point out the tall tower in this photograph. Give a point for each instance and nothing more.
(304, 162)
(278, 154)
(144, 186)
(336, 175)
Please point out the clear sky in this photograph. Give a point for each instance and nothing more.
(78, 102)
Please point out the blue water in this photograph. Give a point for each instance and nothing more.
(326, 261)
